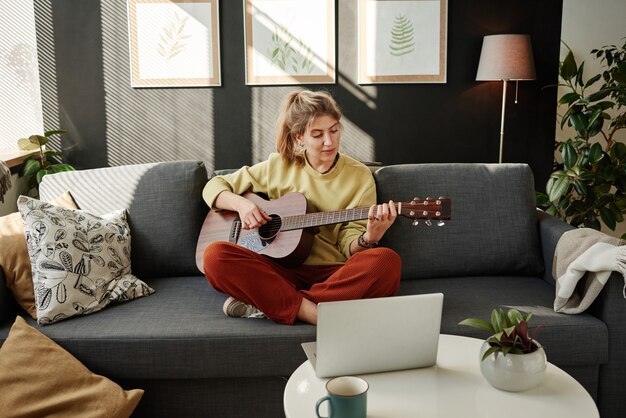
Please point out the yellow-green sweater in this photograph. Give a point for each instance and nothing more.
(348, 185)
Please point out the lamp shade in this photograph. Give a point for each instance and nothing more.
(506, 57)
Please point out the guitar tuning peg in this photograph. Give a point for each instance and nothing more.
(428, 222)
(441, 223)
(415, 223)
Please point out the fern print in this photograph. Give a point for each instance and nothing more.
(402, 33)
(172, 38)
(287, 57)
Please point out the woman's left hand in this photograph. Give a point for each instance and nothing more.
(380, 218)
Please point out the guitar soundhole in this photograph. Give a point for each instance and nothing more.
(271, 228)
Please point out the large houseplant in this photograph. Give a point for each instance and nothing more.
(44, 161)
(510, 358)
(588, 184)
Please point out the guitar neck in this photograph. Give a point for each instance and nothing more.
(311, 220)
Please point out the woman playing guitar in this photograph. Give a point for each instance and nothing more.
(344, 262)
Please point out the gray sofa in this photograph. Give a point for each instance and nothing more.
(193, 361)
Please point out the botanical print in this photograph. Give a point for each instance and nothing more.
(292, 59)
(290, 41)
(173, 38)
(402, 41)
(80, 262)
(402, 36)
(174, 42)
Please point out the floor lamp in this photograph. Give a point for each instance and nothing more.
(506, 57)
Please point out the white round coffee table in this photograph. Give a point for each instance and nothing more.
(453, 388)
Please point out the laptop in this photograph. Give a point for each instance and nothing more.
(376, 335)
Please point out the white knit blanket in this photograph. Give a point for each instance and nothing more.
(583, 261)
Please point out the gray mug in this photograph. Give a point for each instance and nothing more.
(347, 398)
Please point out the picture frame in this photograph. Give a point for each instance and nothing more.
(402, 41)
(289, 42)
(174, 43)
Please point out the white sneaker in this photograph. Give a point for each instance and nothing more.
(237, 309)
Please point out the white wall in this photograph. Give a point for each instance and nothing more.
(20, 94)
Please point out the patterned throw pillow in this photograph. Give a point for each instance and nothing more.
(80, 262)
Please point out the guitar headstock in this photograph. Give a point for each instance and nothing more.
(430, 209)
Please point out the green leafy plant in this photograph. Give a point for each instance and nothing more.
(588, 185)
(44, 161)
(508, 331)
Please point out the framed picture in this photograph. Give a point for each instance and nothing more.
(174, 43)
(289, 41)
(402, 41)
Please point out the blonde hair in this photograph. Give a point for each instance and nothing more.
(297, 112)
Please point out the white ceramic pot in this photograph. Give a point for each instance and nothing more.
(513, 372)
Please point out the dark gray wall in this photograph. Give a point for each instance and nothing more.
(83, 52)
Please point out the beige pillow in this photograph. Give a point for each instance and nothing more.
(14, 258)
(40, 379)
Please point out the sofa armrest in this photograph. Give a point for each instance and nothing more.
(550, 230)
(7, 303)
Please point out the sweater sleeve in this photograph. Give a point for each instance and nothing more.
(253, 179)
(350, 231)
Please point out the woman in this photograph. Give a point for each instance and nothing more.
(343, 263)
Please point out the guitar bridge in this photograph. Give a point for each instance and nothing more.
(235, 231)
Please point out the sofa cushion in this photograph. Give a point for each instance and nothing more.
(180, 332)
(164, 203)
(569, 340)
(14, 259)
(493, 229)
(80, 261)
(40, 379)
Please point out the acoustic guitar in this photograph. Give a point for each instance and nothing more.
(288, 236)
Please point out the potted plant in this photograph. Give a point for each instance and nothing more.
(44, 161)
(510, 359)
(588, 184)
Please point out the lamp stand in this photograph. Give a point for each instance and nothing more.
(502, 121)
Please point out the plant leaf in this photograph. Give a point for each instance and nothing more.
(478, 323)
(568, 67)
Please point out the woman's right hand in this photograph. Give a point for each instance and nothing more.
(251, 215)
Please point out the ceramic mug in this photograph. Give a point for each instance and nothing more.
(347, 398)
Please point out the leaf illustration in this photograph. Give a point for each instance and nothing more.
(109, 237)
(402, 33)
(98, 260)
(97, 239)
(126, 252)
(48, 250)
(85, 285)
(95, 248)
(60, 234)
(79, 244)
(93, 226)
(111, 265)
(39, 230)
(45, 295)
(114, 255)
(81, 236)
(172, 37)
(61, 293)
(57, 220)
(36, 214)
(51, 265)
(66, 259)
(83, 266)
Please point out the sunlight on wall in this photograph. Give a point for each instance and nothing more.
(20, 106)
(265, 109)
(181, 117)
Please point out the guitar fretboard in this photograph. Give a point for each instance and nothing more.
(309, 220)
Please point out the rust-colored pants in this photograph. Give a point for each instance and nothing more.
(278, 291)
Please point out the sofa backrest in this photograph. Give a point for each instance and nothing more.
(493, 229)
(164, 203)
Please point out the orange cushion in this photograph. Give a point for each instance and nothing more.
(14, 258)
(40, 379)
